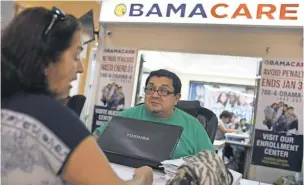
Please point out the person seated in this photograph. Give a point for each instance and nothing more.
(224, 126)
(40, 57)
(162, 91)
(234, 123)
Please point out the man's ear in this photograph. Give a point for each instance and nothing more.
(178, 97)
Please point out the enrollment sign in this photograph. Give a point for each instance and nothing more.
(116, 80)
(278, 139)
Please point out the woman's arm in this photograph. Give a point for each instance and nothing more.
(227, 130)
(87, 165)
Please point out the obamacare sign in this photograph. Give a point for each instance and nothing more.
(287, 13)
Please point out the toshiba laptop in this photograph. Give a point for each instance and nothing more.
(137, 143)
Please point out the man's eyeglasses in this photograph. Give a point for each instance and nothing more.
(57, 15)
(151, 91)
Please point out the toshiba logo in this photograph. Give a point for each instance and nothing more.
(138, 137)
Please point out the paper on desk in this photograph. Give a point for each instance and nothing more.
(123, 172)
(175, 162)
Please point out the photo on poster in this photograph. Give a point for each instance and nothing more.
(113, 97)
(116, 82)
(217, 97)
(278, 141)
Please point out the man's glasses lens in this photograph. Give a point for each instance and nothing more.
(151, 91)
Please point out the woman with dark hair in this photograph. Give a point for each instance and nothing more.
(221, 104)
(40, 57)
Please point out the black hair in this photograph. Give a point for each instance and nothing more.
(291, 108)
(26, 51)
(220, 96)
(274, 104)
(225, 114)
(177, 84)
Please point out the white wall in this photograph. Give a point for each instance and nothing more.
(7, 12)
(202, 67)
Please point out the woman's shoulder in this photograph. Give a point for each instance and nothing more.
(35, 105)
(49, 111)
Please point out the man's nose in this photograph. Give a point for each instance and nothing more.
(155, 94)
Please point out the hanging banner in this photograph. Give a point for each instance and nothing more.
(278, 139)
(218, 97)
(116, 81)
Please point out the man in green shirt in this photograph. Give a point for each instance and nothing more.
(162, 94)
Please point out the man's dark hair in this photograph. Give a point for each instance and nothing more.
(291, 108)
(177, 85)
(225, 114)
(26, 51)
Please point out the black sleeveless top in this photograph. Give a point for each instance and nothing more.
(38, 135)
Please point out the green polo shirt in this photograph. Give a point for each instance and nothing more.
(193, 139)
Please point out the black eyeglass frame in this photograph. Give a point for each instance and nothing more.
(57, 15)
(168, 92)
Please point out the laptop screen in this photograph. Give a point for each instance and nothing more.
(140, 139)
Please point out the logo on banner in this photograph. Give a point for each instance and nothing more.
(283, 63)
(120, 10)
(217, 11)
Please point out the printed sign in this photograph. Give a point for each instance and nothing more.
(238, 12)
(219, 97)
(278, 139)
(114, 92)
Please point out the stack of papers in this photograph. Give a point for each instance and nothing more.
(171, 167)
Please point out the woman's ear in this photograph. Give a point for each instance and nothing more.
(47, 70)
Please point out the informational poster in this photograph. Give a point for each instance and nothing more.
(278, 141)
(220, 97)
(114, 92)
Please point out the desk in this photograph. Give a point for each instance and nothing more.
(126, 173)
(244, 141)
(248, 182)
(218, 144)
(237, 136)
(238, 143)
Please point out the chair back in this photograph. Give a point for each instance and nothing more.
(205, 116)
(76, 103)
